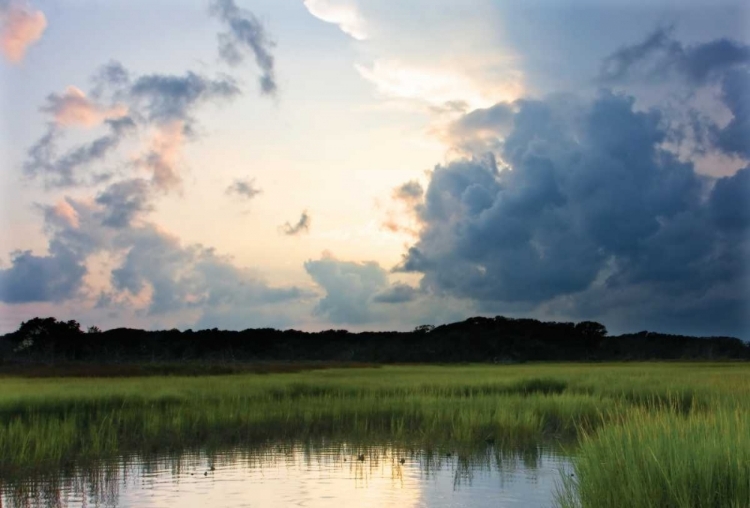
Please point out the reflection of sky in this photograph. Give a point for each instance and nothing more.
(298, 478)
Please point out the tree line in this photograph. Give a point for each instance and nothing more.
(479, 339)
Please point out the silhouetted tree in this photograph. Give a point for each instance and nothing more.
(424, 329)
(478, 339)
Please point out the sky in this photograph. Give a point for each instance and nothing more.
(370, 165)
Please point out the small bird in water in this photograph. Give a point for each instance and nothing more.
(403, 460)
(213, 468)
(361, 457)
(205, 473)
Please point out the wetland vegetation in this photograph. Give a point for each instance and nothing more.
(657, 434)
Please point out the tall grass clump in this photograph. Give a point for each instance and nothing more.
(665, 460)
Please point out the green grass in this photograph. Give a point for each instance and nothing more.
(658, 434)
(665, 460)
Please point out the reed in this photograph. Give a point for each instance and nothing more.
(666, 459)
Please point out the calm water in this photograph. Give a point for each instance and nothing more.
(296, 475)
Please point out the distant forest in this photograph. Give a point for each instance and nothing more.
(479, 339)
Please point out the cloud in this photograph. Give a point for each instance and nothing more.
(50, 278)
(721, 65)
(408, 196)
(660, 57)
(148, 267)
(592, 205)
(112, 75)
(58, 275)
(74, 108)
(340, 13)
(159, 107)
(349, 288)
(124, 201)
(303, 225)
(397, 293)
(163, 157)
(358, 294)
(480, 130)
(188, 277)
(443, 87)
(63, 170)
(246, 32)
(409, 191)
(20, 27)
(734, 138)
(244, 188)
(170, 98)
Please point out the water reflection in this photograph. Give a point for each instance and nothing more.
(312, 475)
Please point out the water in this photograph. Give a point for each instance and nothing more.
(306, 476)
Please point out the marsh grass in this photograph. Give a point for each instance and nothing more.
(664, 460)
(666, 429)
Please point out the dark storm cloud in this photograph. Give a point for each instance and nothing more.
(397, 293)
(244, 188)
(480, 130)
(734, 138)
(349, 288)
(729, 205)
(660, 56)
(303, 225)
(722, 62)
(593, 207)
(123, 201)
(245, 33)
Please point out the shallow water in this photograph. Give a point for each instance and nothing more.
(298, 475)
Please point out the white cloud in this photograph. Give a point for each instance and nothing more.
(345, 15)
(437, 86)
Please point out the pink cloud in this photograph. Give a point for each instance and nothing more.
(20, 27)
(74, 108)
(164, 155)
(66, 212)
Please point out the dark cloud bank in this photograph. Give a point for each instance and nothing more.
(571, 209)
(596, 219)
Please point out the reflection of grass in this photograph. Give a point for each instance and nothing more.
(49, 422)
(103, 480)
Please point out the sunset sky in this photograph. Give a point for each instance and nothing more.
(375, 165)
